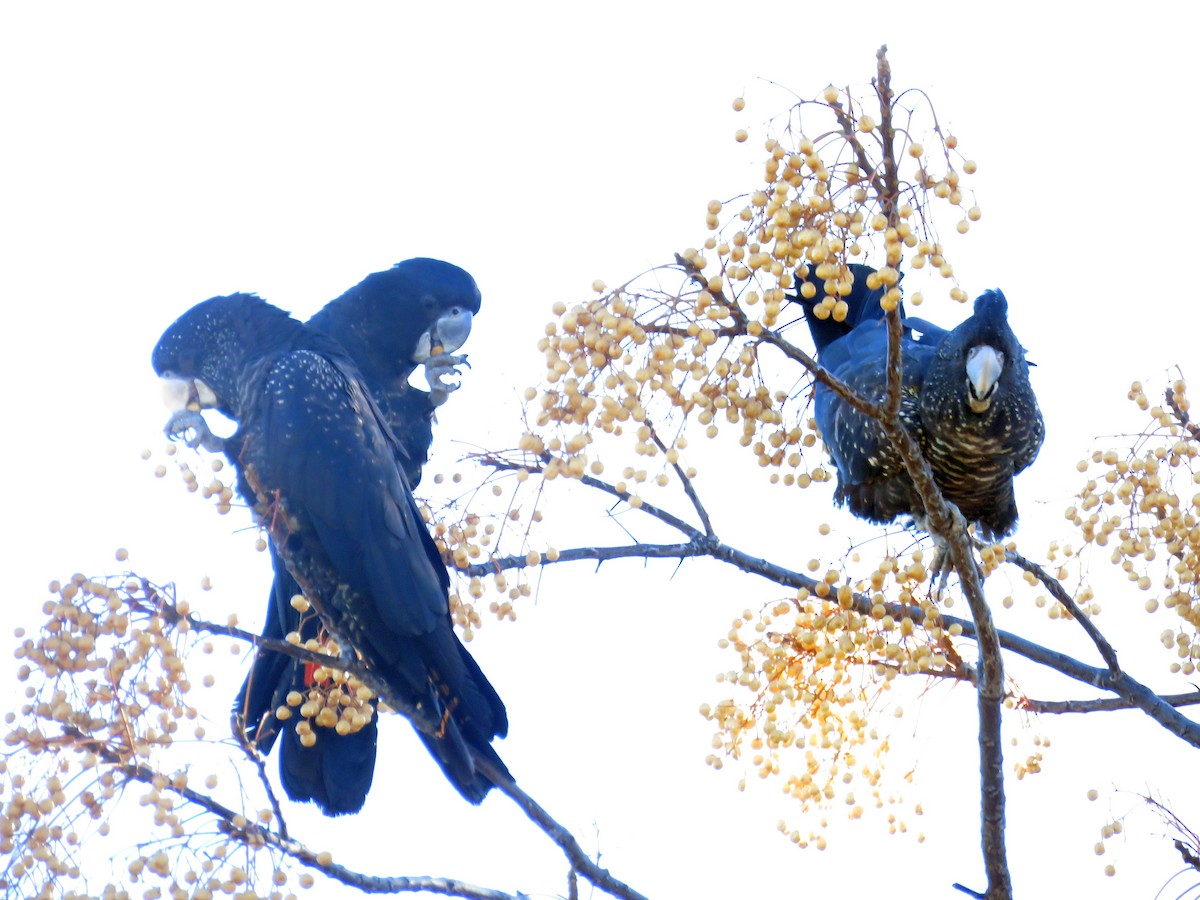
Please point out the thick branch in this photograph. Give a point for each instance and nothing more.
(1106, 704)
(1129, 691)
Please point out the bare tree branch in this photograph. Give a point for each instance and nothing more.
(260, 766)
(1129, 691)
(1106, 704)
(688, 487)
(1060, 594)
(1136, 694)
(580, 862)
(500, 464)
(240, 828)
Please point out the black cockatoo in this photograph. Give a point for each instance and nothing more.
(389, 323)
(966, 399)
(321, 453)
(392, 322)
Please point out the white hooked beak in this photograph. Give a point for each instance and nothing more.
(984, 365)
(449, 332)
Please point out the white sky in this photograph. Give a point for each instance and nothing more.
(153, 157)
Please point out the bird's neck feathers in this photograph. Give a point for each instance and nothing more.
(375, 325)
(268, 328)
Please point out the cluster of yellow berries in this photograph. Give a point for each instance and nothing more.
(1032, 763)
(105, 665)
(182, 874)
(466, 539)
(1143, 505)
(648, 353)
(811, 716)
(823, 205)
(1107, 831)
(333, 698)
(221, 494)
(684, 360)
(105, 683)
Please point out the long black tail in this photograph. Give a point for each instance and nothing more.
(336, 772)
(863, 306)
(467, 734)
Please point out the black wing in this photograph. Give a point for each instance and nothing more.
(872, 479)
(379, 323)
(975, 430)
(322, 443)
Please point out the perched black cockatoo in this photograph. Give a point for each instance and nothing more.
(389, 323)
(392, 322)
(318, 449)
(966, 399)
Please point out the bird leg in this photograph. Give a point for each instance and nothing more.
(943, 566)
(189, 426)
(440, 367)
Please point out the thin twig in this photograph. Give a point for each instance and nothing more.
(260, 765)
(688, 487)
(500, 464)
(791, 351)
(1054, 586)
(240, 828)
(1181, 415)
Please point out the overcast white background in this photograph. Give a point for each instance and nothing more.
(154, 155)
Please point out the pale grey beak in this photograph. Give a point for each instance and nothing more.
(183, 393)
(984, 365)
(176, 392)
(450, 332)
